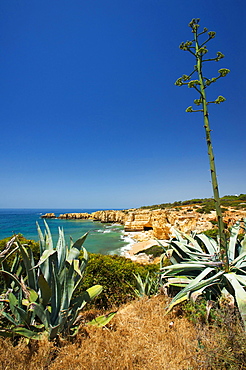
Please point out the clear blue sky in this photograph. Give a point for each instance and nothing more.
(90, 116)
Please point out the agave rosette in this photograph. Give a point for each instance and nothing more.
(40, 298)
(197, 268)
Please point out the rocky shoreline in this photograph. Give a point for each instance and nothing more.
(145, 225)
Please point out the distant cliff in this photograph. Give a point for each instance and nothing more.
(159, 222)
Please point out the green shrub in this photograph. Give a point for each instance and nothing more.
(115, 274)
(155, 251)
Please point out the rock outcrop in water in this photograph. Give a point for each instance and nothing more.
(48, 215)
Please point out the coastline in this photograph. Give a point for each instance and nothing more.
(138, 242)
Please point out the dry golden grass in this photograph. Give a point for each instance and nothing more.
(139, 337)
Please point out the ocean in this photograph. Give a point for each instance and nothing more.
(103, 238)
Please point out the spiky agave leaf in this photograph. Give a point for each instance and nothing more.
(207, 271)
(239, 294)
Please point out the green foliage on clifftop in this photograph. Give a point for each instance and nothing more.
(236, 201)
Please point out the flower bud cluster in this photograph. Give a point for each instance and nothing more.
(219, 56)
(189, 109)
(180, 80)
(198, 101)
(193, 83)
(223, 72)
(220, 99)
(209, 82)
(194, 24)
(185, 45)
(211, 34)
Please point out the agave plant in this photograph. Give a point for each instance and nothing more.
(40, 299)
(197, 268)
(145, 287)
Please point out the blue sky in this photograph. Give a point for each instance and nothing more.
(90, 115)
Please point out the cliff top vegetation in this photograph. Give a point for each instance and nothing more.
(235, 201)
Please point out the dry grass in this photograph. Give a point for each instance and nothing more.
(140, 336)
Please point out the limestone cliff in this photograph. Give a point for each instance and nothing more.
(70, 216)
(48, 215)
(109, 216)
(158, 223)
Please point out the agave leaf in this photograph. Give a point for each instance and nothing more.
(194, 244)
(238, 261)
(9, 317)
(210, 244)
(61, 249)
(243, 245)
(173, 256)
(209, 263)
(177, 235)
(242, 279)
(41, 240)
(45, 290)
(181, 249)
(182, 298)
(103, 320)
(24, 316)
(42, 314)
(55, 297)
(48, 239)
(141, 286)
(46, 254)
(27, 333)
(13, 302)
(233, 241)
(72, 254)
(17, 282)
(31, 278)
(239, 294)
(193, 295)
(184, 266)
(15, 264)
(67, 289)
(178, 281)
(197, 284)
(80, 301)
(33, 295)
(76, 267)
(84, 260)
(78, 244)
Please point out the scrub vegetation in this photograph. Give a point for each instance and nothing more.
(206, 204)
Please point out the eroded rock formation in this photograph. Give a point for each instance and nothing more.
(48, 215)
(158, 223)
(70, 216)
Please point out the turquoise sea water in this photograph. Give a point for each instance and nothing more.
(102, 238)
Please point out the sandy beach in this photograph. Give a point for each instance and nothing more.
(141, 246)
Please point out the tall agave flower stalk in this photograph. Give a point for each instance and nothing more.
(199, 50)
(200, 265)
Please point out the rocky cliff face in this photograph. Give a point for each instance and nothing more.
(109, 216)
(158, 223)
(70, 216)
(48, 215)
